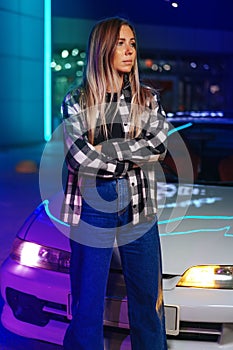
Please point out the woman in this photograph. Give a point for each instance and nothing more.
(114, 133)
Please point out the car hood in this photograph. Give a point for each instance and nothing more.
(195, 224)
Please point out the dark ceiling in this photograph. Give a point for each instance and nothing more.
(206, 14)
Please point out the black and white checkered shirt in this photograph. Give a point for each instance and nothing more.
(117, 158)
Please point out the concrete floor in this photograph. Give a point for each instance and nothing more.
(20, 194)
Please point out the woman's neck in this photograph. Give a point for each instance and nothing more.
(116, 88)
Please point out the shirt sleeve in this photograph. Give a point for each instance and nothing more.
(150, 146)
(80, 153)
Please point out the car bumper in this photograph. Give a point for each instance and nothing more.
(205, 316)
(40, 298)
(35, 302)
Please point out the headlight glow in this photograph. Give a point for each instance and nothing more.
(34, 255)
(29, 254)
(208, 276)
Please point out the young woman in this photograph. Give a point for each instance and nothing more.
(114, 133)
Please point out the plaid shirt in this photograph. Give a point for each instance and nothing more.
(116, 158)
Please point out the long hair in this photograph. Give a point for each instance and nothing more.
(99, 73)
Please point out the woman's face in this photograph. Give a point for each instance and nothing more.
(125, 52)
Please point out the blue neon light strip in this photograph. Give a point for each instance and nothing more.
(179, 128)
(202, 217)
(225, 228)
(51, 216)
(199, 217)
(180, 218)
(47, 71)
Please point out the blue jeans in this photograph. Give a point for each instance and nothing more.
(90, 263)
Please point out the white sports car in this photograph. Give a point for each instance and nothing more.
(196, 230)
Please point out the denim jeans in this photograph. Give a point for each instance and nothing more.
(107, 221)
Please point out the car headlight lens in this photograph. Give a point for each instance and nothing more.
(208, 276)
(35, 255)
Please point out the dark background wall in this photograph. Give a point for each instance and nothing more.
(196, 27)
(208, 14)
(21, 64)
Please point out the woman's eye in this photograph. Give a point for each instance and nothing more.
(122, 43)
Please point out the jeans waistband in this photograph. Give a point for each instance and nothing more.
(97, 181)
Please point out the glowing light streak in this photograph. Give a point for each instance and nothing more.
(47, 71)
(198, 217)
(225, 228)
(50, 215)
(45, 203)
(179, 128)
(203, 217)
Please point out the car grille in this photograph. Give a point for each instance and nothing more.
(30, 309)
(200, 331)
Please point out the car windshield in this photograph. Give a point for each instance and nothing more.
(200, 148)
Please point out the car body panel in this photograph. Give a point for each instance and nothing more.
(201, 235)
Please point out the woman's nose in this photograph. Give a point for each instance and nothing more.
(128, 49)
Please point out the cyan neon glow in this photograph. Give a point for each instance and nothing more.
(47, 72)
(226, 229)
(179, 128)
(50, 215)
(203, 217)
